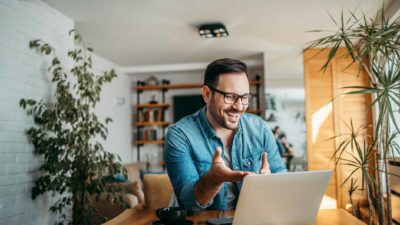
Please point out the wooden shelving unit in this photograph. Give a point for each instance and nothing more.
(169, 86)
(153, 123)
(181, 86)
(149, 142)
(394, 167)
(162, 106)
(150, 105)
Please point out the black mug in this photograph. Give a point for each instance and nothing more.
(171, 215)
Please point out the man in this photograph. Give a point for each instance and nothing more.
(285, 149)
(208, 154)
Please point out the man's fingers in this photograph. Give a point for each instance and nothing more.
(237, 175)
(217, 155)
(265, 160)
(264, 165)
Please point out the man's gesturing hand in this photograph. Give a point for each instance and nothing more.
(264, 165)
(208, 186)
(221, 172)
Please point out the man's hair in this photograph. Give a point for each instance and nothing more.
(221, 66)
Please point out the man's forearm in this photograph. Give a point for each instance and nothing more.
(207, 188)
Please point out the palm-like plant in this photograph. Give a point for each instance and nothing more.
(373, 45)
(352, 189)
(356, 151)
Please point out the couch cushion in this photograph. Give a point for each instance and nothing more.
(133, 170)
(157, 190)
(135, 189)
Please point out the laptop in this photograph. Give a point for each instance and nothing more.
(283, 198)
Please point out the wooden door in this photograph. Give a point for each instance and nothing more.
(328, 111)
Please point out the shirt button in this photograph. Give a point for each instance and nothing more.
(236, 168)
(248, 163)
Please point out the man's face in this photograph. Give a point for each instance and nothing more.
(223, 114)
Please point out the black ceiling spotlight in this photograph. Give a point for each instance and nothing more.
(213, 30)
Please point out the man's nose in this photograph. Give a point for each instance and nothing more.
(238, 105)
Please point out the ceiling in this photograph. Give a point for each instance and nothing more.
(135, 33)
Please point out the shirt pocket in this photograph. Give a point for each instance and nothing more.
(202, 167)
(252, 162)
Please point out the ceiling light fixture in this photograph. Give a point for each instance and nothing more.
(213, 30)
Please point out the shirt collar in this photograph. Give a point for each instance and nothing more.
(208, 129)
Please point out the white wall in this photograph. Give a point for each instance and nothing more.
(284, 68)
(23, 74)
(284, 80)
(114, 103)
(289, 116)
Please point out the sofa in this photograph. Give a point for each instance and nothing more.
(108, 208)
(154, 191)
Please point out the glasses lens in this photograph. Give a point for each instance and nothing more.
(230, 98)
(245, 99)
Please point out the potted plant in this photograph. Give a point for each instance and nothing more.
(66, 135)
(373, 45)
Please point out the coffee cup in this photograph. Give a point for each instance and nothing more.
(171, 215)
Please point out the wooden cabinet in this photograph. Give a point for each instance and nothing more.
(150, 116)
(327, 120)
(394, 167)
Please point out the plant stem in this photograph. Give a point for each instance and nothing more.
(385, 168)
(371, 206)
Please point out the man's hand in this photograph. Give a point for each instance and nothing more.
(264, 165)
(209, 185)
(222, 173)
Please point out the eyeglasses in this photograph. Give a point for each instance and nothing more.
(231, 98)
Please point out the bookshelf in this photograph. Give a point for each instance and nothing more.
(152, 115)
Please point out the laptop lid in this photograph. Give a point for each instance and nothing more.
(283, 198)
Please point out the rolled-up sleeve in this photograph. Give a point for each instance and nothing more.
(181, 168)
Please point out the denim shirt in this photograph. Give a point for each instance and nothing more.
(190, 145)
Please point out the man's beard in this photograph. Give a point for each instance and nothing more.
(223, 121)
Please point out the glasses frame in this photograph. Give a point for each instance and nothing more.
(250, 95)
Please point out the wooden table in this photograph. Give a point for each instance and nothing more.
(146, 217)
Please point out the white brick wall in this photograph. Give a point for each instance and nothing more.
(23, 74)
(119, 131)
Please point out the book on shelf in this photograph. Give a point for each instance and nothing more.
(146, 135)
(151, 115)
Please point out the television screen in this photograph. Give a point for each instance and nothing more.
(186, 104)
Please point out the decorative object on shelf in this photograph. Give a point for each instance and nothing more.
(65, 136)
(153, 100)
(152, 81)
(164, 81)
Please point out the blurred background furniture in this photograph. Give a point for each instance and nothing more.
(133, 198)
(143, 190)
(157, 190)
(394, 167)
(300, 161)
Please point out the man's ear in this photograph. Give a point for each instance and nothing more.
(206, 92)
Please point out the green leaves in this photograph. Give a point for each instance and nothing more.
(65, 135)
(374, 46)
